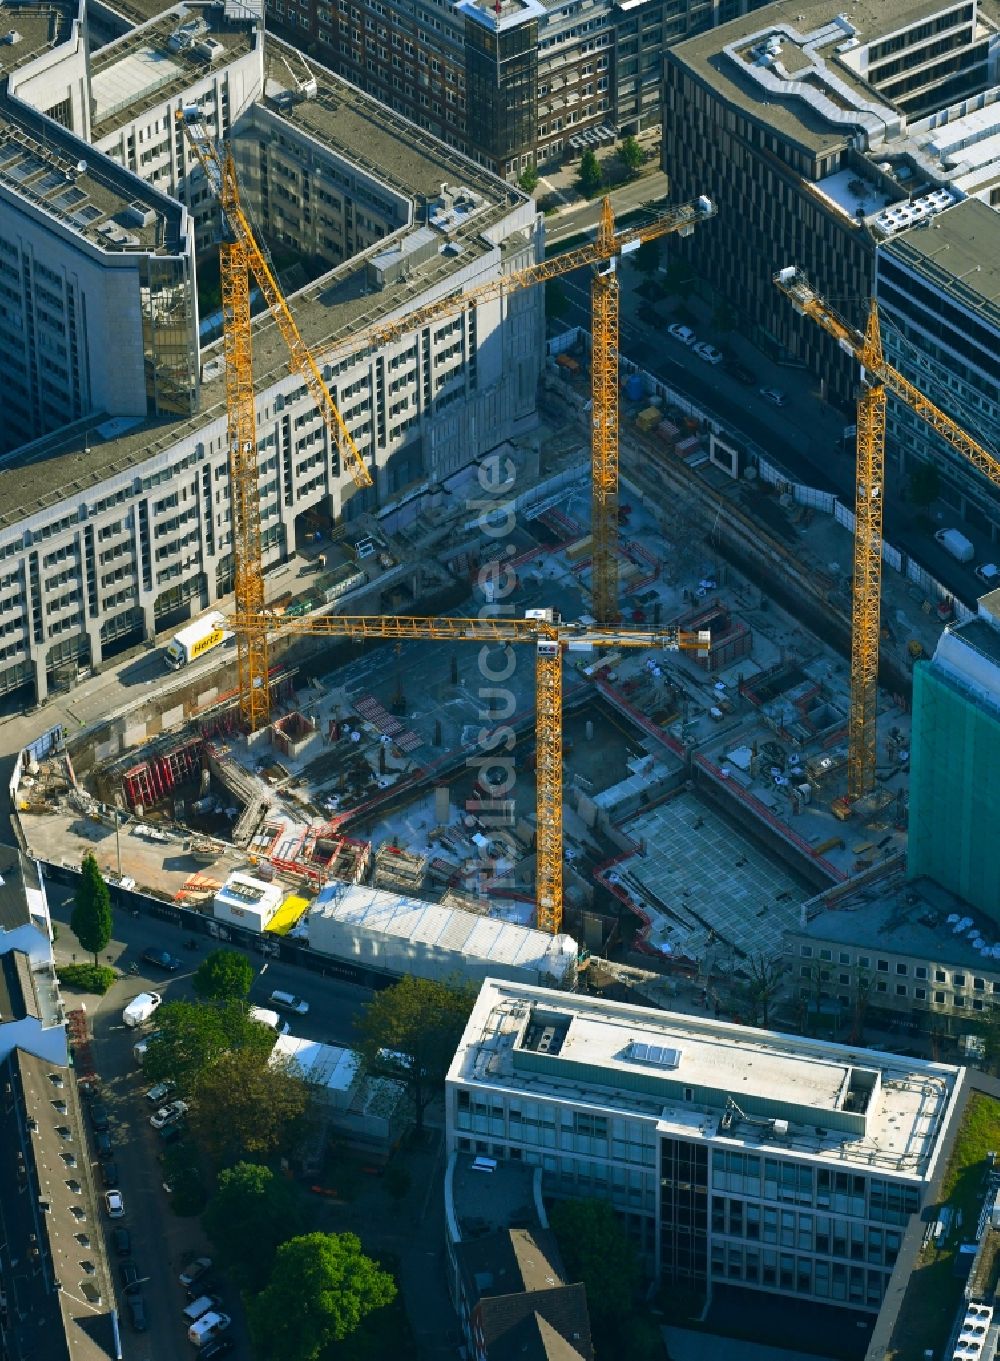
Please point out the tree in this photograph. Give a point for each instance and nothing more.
(724, 317)
(765, 974)
(529, 179)
(925, 484)
(251, 1214)
(191, 1035)
(591, 177)
(423, 1020)
(91, 920)
(321, 1287)
(598, 1253)
(244, 1104)
(223, 976)
(632, 155)
(647, 257)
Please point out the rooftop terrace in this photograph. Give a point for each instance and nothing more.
(28, 30)
(161, 58)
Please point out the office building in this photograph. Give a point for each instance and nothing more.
(938, 287)
(512, 84)
(736, 1156)
(887, 949)
(114, 517)
(819, 133)
(955, 746)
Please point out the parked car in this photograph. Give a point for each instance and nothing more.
(128, 1274)
(199, 1288)
(156, 1094)
(195, 1270)
(219, 1346)
(708, 352)
(161, 959)
(774, 395)
(109, 1173)
(137, 1312)
(168, 1114)
(202, 1304)
(740, 372)
(102, 1145)
(99, 1118)
(285, 1001)
(114, 1203)
(121, 1241)
(171, 1133)
(682, 333)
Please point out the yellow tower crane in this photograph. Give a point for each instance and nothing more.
(551, 638)
(879, 378)
(239, 256)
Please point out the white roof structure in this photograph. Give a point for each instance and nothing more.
(409, 935)
(327, 1066)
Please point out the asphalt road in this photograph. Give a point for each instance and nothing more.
(626, 197)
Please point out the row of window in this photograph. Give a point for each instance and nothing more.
(958, 978)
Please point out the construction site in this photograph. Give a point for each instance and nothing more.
(685, 710)
(700, 791)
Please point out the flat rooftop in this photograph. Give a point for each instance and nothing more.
(39, 28)
(49, 168)
(959, 252)
(705, 57)
(709, 1079)
(334, 308)
(898, 915)
(430, 926)
(164, 57)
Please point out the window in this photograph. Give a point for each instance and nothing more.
(806, 951)
(920, 971)
(882, 965)
(843, 978)
(881, 985)
(959, 1001)
(940, 976)
(689, 1091)
(864, 962)
(826, 955)
(958, 979)
(902, 969)
(920, 994)
(843, 957)
(900, 989)
(939, 999)
(979, 984)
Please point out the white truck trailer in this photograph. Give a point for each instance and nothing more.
(194, 640)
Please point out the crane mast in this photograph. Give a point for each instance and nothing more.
(604, 299)
(550, 638)
(879, 378)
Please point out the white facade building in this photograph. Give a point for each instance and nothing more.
(247, 902)
(114, 525)
(736, 1156)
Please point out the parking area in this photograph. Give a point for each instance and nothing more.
(148, 1245)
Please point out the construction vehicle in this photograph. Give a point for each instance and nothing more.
(551, 638)
(878, 378)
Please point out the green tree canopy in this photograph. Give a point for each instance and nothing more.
(591, 175)
(632, 155)
(251, 1214)
(192, 1035)
(529, 179)
(321, 1287)
(598, 1253)
(679, 279)
(245, 1106)
(224, 976)
(91, 920)
(422, 1019)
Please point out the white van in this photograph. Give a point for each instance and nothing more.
(208, 1326)
(270, 1018)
